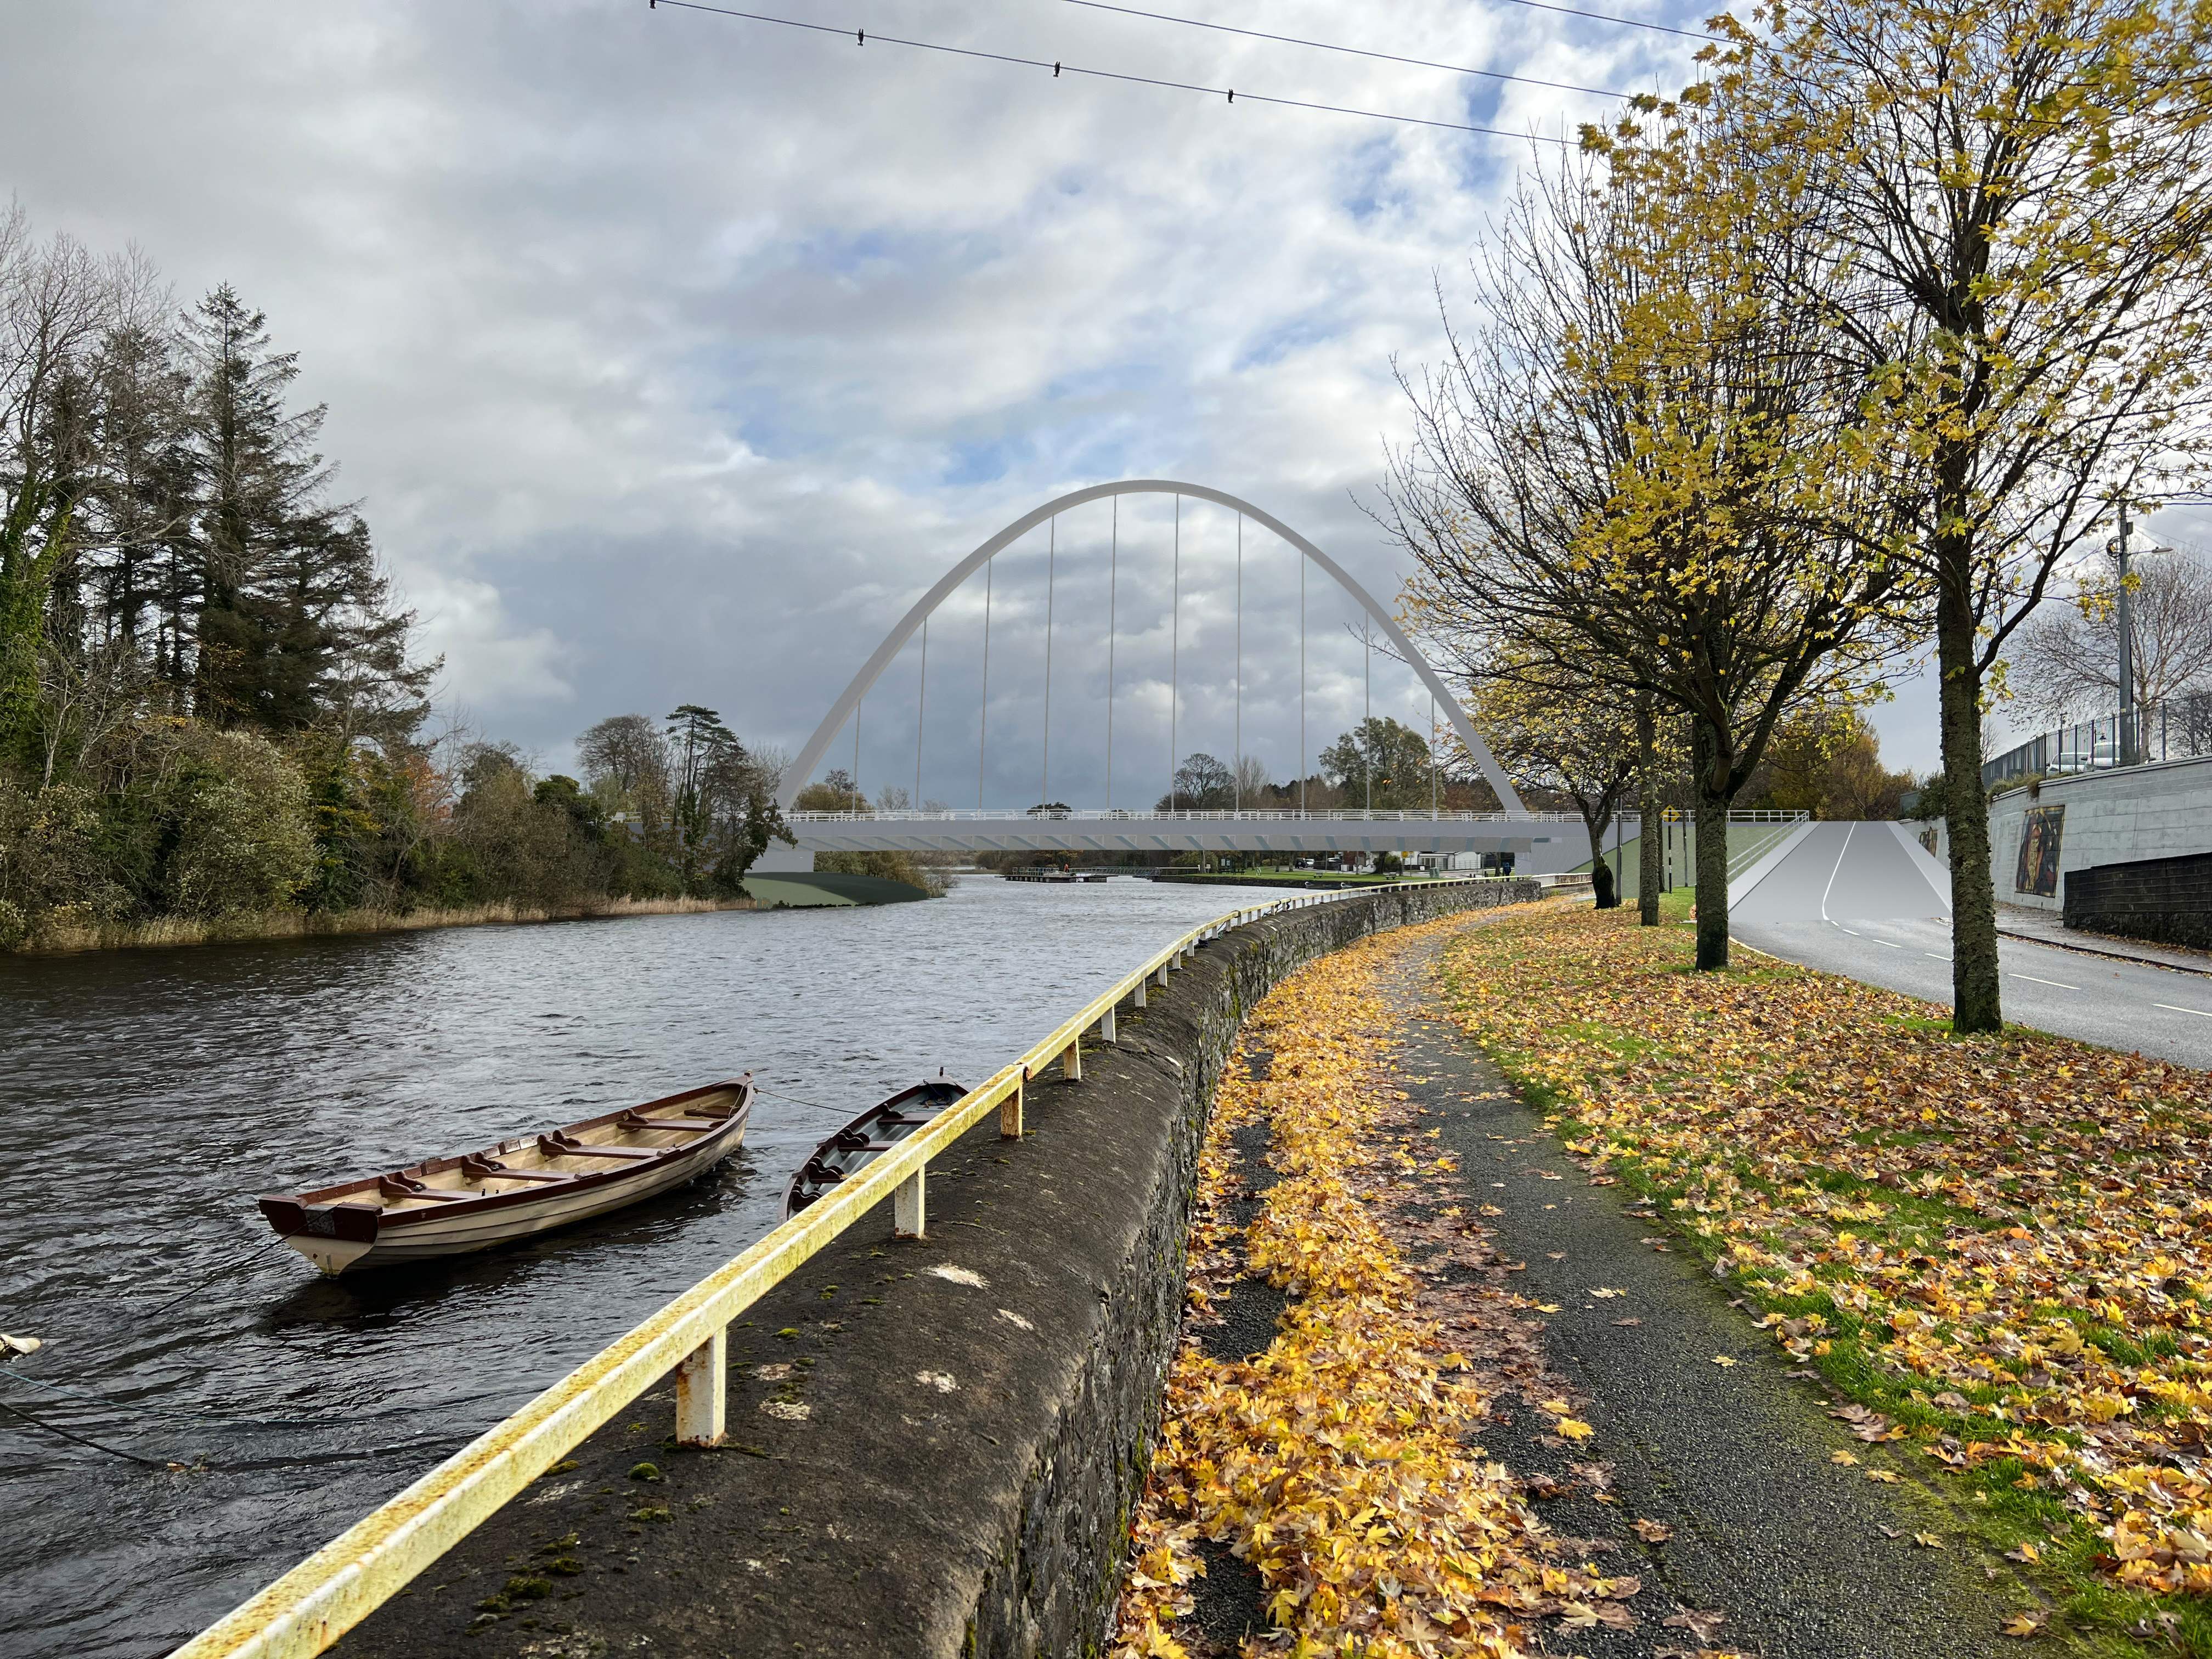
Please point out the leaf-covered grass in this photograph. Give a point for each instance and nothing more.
(1998, 1246)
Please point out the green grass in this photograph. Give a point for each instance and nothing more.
(1987, 1501)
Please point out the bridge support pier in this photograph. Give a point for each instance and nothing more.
(1010, 1109)
(1071, 1063)
(1106, 1027)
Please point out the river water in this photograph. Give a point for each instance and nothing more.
(148, 1095)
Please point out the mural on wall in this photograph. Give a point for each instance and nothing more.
(2039, 833)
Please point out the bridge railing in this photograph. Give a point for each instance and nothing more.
(333, 1590)
(1226, 815)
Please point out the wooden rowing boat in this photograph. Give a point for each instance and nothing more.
(531, 1184)
(867, 1137)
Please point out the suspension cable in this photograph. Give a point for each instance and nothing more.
(862, 704)
(1367, 720)
(1237, 783)
(1174, 652)
(1113, 577)
(921, 707)
(1301, 684)
(983, 719)
(1051, 557)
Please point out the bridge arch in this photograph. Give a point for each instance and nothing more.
(802, 768)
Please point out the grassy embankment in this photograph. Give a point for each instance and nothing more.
(63, 938)
(1995, 1248)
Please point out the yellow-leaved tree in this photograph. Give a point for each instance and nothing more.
(2016, 202)
(1633, 467)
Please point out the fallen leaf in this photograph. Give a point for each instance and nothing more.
(2026, 1623)
(2026, 1552)
(1843, 1457)
(1700, 1625)
(1628, 1321)
(1723, 1359)
(1574, 1428)
(1882, 1475)
(1928, 1540)
(1654, 1532)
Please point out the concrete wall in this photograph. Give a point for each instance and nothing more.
(936, 1444)
(2160, 811)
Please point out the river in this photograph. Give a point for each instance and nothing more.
(150, 1095)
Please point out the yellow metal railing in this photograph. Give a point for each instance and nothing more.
(341, 1584)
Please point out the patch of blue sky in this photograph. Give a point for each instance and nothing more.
(1281, 340)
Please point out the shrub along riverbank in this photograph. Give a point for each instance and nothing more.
(1998, 1249)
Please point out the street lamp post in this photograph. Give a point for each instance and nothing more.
(2126, 746)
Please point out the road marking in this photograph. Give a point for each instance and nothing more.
(2047, 982)
(1852, 931)
(1884, 941)
(2176, 1008)
(1931, 953)
(1830, 887)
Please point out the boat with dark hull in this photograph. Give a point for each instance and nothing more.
(528, 1185)
(867, 1137)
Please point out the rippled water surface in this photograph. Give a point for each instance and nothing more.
(148, 1095)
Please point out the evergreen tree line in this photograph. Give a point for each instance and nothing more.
(210, 703)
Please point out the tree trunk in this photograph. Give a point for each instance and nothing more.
(1712, 849)
(1603, 888)
(1977, 1001)
(1650, 856)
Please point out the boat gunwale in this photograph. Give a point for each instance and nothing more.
(473, 1204)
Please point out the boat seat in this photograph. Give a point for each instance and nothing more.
(490, 1168)
(553, 1148)
(696, 1125)
(399, 1187)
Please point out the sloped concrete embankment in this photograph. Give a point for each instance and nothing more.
(934, 1445)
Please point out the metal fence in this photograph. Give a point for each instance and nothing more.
(318, 1601)
(2180, 728)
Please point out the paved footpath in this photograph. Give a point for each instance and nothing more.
(1808, 1559)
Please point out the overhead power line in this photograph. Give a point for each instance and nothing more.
(1381, 56)
(862, 37)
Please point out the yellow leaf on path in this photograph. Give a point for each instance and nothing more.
(1574, 1428)
(2026, 1552)
(1928, 1540)
(1547, 1307)
(1842, 1457)
(2026, 1623)
(1654, 1532)
(1723, 1359)
(1557, 1407)
(1882, 1475)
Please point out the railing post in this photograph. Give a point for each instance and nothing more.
(1106, 1027)
(1138, 1000)
(1010, 1109)
(910, 1206)
(1071, 1063)
(702, 1387)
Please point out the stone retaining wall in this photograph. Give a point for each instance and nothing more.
(935, 1444)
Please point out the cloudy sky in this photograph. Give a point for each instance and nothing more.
(673, 356)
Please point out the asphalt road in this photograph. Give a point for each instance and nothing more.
(1864, 900)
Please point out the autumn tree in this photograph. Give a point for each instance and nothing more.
(2018, 204)
(1571, 737)
(1380, 763)
(2066, 664)
(1631, 471)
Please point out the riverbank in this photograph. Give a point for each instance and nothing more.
(163, 932)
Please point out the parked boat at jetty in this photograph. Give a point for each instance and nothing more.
(531, 1184)
(867, 1137)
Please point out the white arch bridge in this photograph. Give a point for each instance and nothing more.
(1051, 828)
